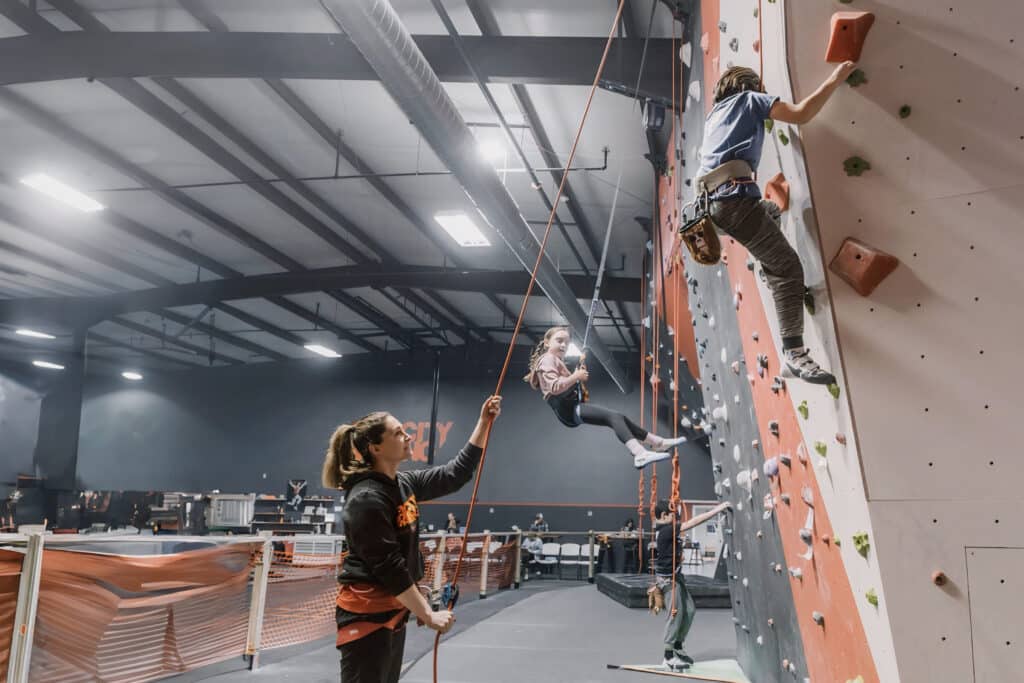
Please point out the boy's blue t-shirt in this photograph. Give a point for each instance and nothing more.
(735, 130)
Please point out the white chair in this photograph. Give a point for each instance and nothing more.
(569, 555)
(549, 555)
(588, 550)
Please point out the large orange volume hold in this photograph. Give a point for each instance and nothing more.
(862, 266)
(849, 29)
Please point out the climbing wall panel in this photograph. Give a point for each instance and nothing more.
(995, 580)
(931, 356)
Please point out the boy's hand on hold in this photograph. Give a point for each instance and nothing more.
(843, 71)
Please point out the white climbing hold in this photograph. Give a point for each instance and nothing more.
(808, 495)
(686, 53)
(694, 90)
(746, 582)
(721, 413)
(796, 572)
(725, 356)
(736, 399)
(647, 322)
(686, 422)
(760, 640)
(736, 452)
(711, 322)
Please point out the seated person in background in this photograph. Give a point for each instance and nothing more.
(629, 527)
(539, 525)
(532, 547)
(452, 525)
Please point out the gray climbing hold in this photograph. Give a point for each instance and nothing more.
(855, 166)
(722, 26)
(806, 536)
(734, 44)
(818, 617)
(773, 427)
(786, 460)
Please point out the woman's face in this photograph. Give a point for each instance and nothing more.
(395, 445)
(558, 343)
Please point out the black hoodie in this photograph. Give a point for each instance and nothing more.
(381, 520)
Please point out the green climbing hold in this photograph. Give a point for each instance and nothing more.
(804, 410)
(872, 597)
(854, 166)
(834, 390)
(783, 138)
(858, 679)
(755, 13)
(860, 542)
(856, 78)
(768, 125)
(904, 111)
(821, 448)
(837, 542)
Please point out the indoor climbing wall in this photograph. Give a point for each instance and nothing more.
(936, 134)
(785, 453)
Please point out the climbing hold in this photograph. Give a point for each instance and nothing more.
(777, 190)
(825, 538)
(785, 665)
(785, 498)
(750, 263)
(904, 111)
(856, 78)
(773, 427)
(862, 266)
(746, 582)
(872, 596)
(861, 543)
(760, 534)
(803, 409)
(806, 536)
(796, 572)
(834, 390)
(755, 443)
(838, 542)
(711, 322)
(841, 438)
(722, 26)
(821, 448)
(734, 44)
(721, 442)
(717, 467)
(760, 640)
(771, 622)
(786, 460)
(939, 578)
(736, 366)
(762, 364)
(768, 125)
(736, 452)
(705, 42)
(771, 467)
(725, 357)
(855, 166)
(755, 12)
(757, 45)
(778, 570)
(783, 138)
(849, 29)
(818, 617)
(755, 336)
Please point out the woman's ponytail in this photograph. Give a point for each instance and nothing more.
(348, 451)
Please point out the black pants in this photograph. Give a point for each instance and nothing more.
(375, 658)
(624, 428)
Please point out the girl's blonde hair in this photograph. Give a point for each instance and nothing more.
(348, 452)
(736, 80)
(539, 350)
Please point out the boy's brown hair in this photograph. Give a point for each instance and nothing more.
(735, 80)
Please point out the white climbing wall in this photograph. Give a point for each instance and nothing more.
(839, 473)
(931, 358)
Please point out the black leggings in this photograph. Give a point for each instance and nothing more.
(624, 428)
(374, 658)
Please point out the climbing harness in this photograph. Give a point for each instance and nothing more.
(522, 312)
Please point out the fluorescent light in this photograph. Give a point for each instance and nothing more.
(462, 229)
(573, 351)
(132, 375)
(61, 192)
(491, 150)
(34, 334)
(323, 351)
(47, 365)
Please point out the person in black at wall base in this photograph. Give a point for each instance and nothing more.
(681, 620)
(378, 577)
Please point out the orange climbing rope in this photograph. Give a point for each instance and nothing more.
(522, 310)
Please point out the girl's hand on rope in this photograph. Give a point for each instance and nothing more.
(490, 409)
(440, 621)
(582, 374)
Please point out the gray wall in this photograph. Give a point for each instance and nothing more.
(243, 429)
(20, 401)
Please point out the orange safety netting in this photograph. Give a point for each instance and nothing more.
(501, 564)
(10, 576)
(139, 618)
(301, 594)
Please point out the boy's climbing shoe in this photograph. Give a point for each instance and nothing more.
(801, 364)
(661, 444)
(675, 664)
(642, 460)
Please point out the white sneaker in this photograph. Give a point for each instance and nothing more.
(675, 664)
(644, 459)
(661, 444)
(801, 364)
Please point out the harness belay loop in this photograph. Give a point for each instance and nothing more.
(700, 234)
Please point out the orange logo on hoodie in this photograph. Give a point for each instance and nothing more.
(408, 513)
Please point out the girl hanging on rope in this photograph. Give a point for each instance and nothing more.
(563, 391)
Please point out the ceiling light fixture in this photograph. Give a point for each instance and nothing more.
(132, 375)
(48, 365)
(491, 150)
(462, 229)
(323, 351)
(52, 187)
(35, 335)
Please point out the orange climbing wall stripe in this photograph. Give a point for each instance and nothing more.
(709, 15)
(839, 651)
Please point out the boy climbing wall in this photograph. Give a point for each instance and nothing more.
(733, 137)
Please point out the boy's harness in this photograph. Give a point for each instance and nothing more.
(699, 234)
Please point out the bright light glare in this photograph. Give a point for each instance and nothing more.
(573, 351)
(492, 151)
(47, 365)
(133, 376)
(462, 229)
(323, 351)
(34, 334)
(61, 192)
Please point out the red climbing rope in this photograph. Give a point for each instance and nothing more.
(674, 499)
(522, 310)
(643, 407)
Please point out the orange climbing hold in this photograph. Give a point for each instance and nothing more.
(849, 29)
(862, 266)
(777, 190)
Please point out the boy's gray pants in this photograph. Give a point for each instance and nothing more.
(679, 625)
(754, 223)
